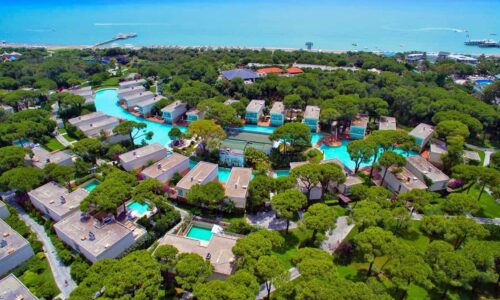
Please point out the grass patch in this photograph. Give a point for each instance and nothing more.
(110, 82)
(489, 208)
(54, 145)
(293, 241)
(62, 130)
(417, 293)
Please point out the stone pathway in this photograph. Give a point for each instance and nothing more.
(268, 220)
(336, 236)
(60, 272)
(294, 273)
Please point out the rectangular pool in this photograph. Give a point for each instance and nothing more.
(200, 233)
(140, 209)
(90, 186)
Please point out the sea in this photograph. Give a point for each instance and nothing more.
(364, 25)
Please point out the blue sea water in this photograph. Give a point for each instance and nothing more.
(390, 25)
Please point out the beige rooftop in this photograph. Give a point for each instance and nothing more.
(172, 106)
(360, 121)
(164, 165)
(426, 168)
(14, 240)
(256, 105)
(422, 131)
(11, 288)
(78, 231)
(41, 157)
(387, 123)
(312, 112)
(197, 175)
(237, 184)
(278, 108)
(57, 198)
(408, 179)
(141, 152)
(85, 118)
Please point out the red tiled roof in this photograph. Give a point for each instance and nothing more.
(294, 70)
(270, 70)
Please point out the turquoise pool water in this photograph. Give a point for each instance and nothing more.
(139, 208)
(106, 101)
(89, 187)
(341, 154)
(484, 82)
(223, 172)
(258, 129)
(200, 233)
(281, 173)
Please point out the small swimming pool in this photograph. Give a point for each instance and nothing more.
(140, 209)
(281, 173)
(484, 82)
(89, 187)
(258, 129)
(224, 174)
(200, 233)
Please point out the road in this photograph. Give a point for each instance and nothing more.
(59, 270)
(294, 273)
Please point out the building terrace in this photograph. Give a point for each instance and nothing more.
(422, 134)
(202, 173)
(237, 186)
(41, 157)
(11, 288)
(402, 180)
(122, 93)
(14, 249)
(165, 169)
(56, 201)
(387, 123)
(140, 157)
(425, 171)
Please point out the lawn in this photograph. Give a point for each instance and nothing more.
(293, 240)
(110, 82)
(54, 145)
(489, 208)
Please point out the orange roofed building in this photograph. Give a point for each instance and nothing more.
(294, 71)
(270, 70)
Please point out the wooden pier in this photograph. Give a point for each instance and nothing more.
(121, 36)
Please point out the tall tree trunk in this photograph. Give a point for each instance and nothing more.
(287, 225)
(481, 193)
(268, 286)
(371, 168)
(368, 274)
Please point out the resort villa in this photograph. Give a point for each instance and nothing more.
(41, 157)
(143, 156)
(232, 149)
(292, 71)
(55, 201)
(351, 178)
(94, 124)
(427, 173)
(254, 111)
(270, 70)
(277, 114)
(387, 123)
(194, 115)
(245, 74)
(85, 92)
(311, 117)
(11, 288)
(358, 127)
(422, 134)
(126, 92)
(172, 112)
(237, 186)
(401, 180)
(214, 246)
(165, 169)
(144, 107)
(131, 83)
(202, 173)
(94, 238)
(439, 148)
(4, 211)
(14, 249)
(131, 100)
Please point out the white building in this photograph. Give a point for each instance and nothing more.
(436, 151)
(87, 119)
(237, 186)
(143, 156)
(131, 83)
(202, 173)
(427, 173)
(94, 124)
(96, 239)
(254, 111)
(311, 117)
(165, 169)
(56, 201)
(144, 107)
(14, 249)
(41, 157)
(387, 123)
(351, 178)
(422, 134)
(4, 211)
(11, 288)
(85, 92)
(122, 93)
(401, 181)
(131, 100)
(172, 112)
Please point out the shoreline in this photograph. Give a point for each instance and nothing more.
(181, 47)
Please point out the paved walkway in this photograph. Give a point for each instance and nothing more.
(487, 153)
(59, 270)
(61, 139)
(294, 273)
(335, 238)
(268, 220)
(495, 221)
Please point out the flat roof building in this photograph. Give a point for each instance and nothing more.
(42, 157)
(311, 117)
(194, 115)
(165, 169)
(11, 288)
(85, 92)
(87, 119)
(122, 93)
(358, 127)
(93, 124)
(56, 201)
(387, 123)
(141, 157)
(202, 173)
(131, 100)
(245, 74)
(401, 180)
(14, 249)
(428, 173)
(422, 134)
(174, 111)
(144, 107)
(254, 111)
(277, 114)
(219, 248)
(237, 186)
(131, 83)
(232, 149)
(4, 211)
(95, 239)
